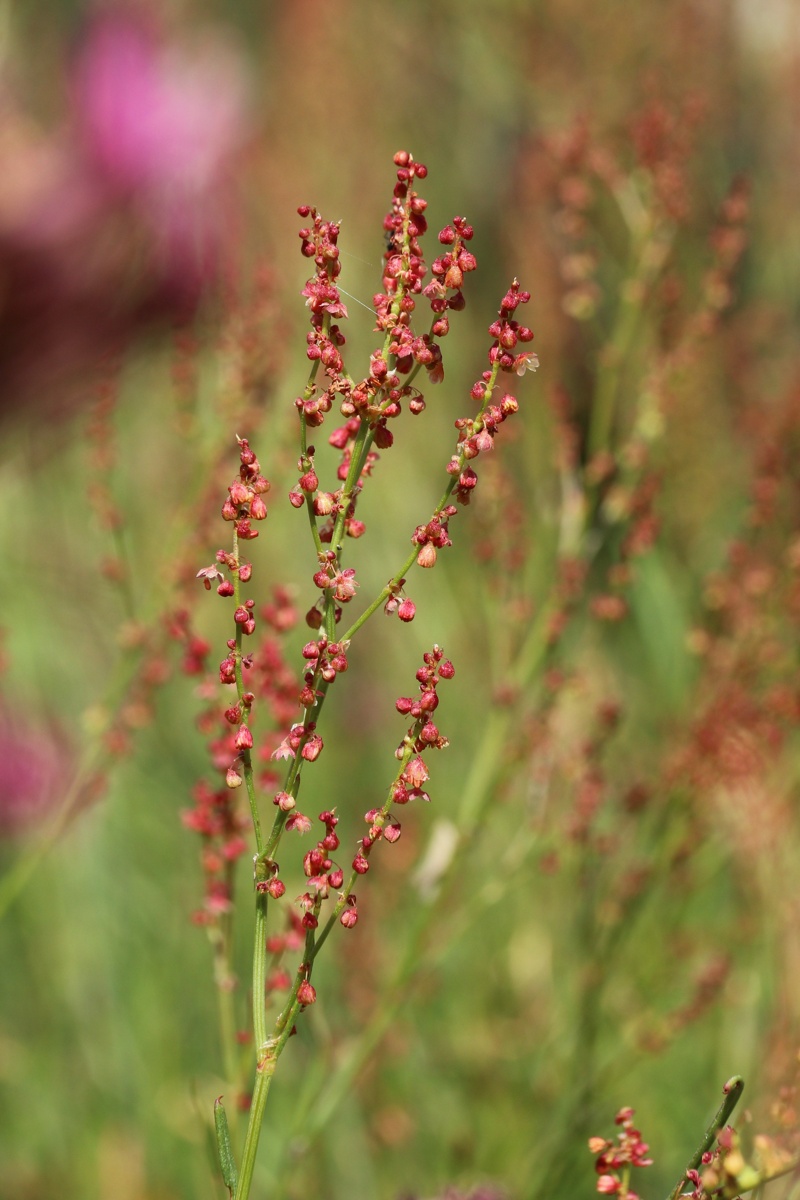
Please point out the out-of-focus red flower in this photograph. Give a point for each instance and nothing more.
(34, 766)
(159, 123)
(123, 215)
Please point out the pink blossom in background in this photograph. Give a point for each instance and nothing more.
(159, 123)
(34, 770)
(125, 214)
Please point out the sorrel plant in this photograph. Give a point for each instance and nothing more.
(413, 318)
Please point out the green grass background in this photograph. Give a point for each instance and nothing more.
(499, 1059)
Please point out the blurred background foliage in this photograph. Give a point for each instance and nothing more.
(619, 802)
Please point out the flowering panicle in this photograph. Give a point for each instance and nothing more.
(476, 434)
(215, 815)
(371, 403)
(422, 735)
(324, 875)
(257, 670)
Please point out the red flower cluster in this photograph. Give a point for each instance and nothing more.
(245, 500)
(378, 397)
(615, 1159)
(321, 872)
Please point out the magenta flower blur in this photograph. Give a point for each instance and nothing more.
(33, 769)
(124, 214)
(159, 123)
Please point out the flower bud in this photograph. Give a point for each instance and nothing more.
(407, 610)
(427, 555)
(244, 738)
(312, 748)
(306, 994)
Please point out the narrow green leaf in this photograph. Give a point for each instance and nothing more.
(226, 1160)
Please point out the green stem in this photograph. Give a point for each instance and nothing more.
(124, 584)
(325, 1102)
(381, 598)
(731, 1095)
(260, 973)
(591, 984)
(650, 241)
(267, 1058)
(220, 936)
(269, 1051)
(240, 690)
(614, 356)
(264, 1072)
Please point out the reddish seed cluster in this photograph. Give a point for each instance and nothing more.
(433, 537)
(449, 269)
(230, 739)
(477, 437)
(216, 815)
(303, 738)
(404, 264)
(319, 241)
(328, 659)
(423, 735)
(378, 398)
(246, 494)
(322, 873)
(614, 1158)
(320, 869)
(508, 334)
(329, 504)
(342, 583)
